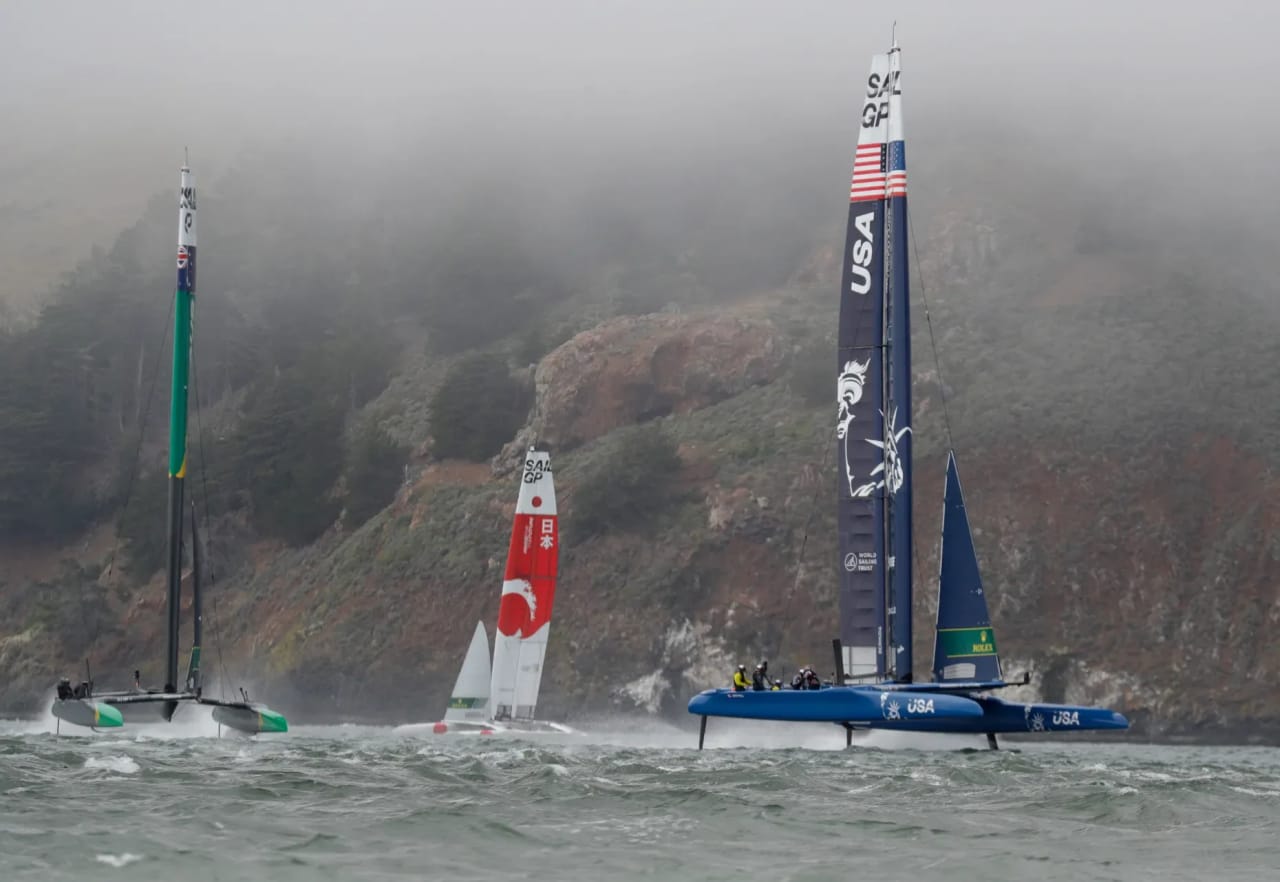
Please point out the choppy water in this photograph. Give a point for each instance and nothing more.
(357, 803)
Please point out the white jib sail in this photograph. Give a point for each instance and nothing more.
(470, 698)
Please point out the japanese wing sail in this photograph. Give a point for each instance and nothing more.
(965, 647)
(528, 592)
(470, 698)
(860, 393)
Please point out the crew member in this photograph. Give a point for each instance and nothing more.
(740, 682)
(811, 680)
(797, 682)
(759, 682)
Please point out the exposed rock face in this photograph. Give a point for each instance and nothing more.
(634, 369)
(690, 659)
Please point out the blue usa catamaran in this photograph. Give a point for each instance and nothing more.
(875, 685)
(81, 705)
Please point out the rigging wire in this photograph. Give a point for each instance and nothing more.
(804, 536)
(933, 343)
(826, 451)
(204, 493)
(937, 365)
(142, 425)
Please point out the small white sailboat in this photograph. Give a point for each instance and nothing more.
(468, 710)
(502, 698)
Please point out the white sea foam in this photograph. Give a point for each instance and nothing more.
(122, 765)
(765, 735)
(119, 860)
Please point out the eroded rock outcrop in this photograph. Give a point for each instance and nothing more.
(637, 368)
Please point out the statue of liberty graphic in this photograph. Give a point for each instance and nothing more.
(849, 387)
(848, 393)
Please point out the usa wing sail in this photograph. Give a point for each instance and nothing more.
(860, 394)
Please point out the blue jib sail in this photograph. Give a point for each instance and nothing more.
(965, 648)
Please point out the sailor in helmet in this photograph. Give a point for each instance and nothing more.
(740, 681)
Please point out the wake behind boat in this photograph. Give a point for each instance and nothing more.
(500, 698)
(874, 685)
(80, 705)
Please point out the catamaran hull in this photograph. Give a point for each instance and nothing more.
(250, 719)
(86, 712)
(856, 705)
(1003, 717)
(905, 711)
(112, 709)
(469, 727)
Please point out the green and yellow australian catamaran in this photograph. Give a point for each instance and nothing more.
(81, 704)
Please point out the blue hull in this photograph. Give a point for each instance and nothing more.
(858, 705)
(904, 710)
(1002, 717)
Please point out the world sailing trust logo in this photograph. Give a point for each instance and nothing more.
(849, 387)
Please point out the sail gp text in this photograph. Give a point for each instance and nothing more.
(876, 110)
(920, 706)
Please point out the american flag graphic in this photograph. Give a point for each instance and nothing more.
(868, 173)
(870, 164)
(897, 183)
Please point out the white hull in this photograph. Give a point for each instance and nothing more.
(516, 729)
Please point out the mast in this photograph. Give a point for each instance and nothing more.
(183, 296)
(194, 678)
(860, 394)
(897, 446)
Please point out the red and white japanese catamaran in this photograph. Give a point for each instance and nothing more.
(502, 698)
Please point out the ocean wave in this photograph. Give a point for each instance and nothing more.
(123, 765)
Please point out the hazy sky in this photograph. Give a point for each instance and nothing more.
(190, 73)
(113, 91)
